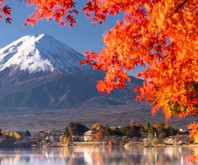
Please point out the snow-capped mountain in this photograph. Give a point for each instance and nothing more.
(36, 53)
(37, 71)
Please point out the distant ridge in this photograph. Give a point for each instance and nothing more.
(37, 71)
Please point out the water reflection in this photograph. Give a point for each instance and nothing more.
(193, 159)
(96, 156)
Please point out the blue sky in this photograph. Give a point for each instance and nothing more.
(84, 35)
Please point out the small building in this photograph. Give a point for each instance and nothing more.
(56, 132)
(183, 131)
(88, 135)
(42, 134)
(146, 140)
(169, 141)
(26, 139)
(54, 138)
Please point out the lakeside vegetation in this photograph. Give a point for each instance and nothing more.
(79, 134)
(148, 135)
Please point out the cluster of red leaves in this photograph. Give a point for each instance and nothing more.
(60, 10)
(5, 11)
(160, 35)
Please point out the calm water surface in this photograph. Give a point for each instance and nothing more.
(96, 156)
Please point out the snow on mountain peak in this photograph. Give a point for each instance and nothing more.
(35, 53)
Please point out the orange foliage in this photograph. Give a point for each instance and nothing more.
(194, 132)
(61, 11)
(98, 135)
(192, 159)
(160, 35)
(97, 126)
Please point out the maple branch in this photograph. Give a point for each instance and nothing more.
(182, 4)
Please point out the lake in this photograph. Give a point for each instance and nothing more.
(96, 156)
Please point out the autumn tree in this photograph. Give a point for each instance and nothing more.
(194, 132)
(17, 136)
(160, 35)
(64, 139)
(99, 131)
(96, 127)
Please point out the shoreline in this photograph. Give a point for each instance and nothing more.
(97, 144)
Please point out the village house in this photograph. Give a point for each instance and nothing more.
(56, 132)
(146, 140)
(88, 135)
(26, 139)
(42, 134)
(169, 141)
(183, 131)
(54, 138)
(39, 136)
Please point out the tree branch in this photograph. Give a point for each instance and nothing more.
(182, 4)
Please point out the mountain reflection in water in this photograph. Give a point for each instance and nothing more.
(96, 156)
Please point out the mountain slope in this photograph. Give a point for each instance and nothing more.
(41, 72)
(36, 53)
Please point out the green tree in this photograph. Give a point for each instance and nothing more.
(152, 132)
(76, 129)
(27, 133)
(116, 131)
(66, 132)
(1, 132)
(132, 130)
